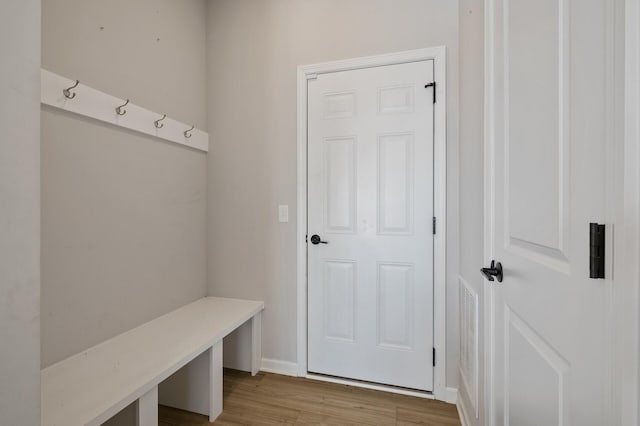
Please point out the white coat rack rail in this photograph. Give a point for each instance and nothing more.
(73, 96)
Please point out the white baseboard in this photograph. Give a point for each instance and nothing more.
(462, 413)
(286, 368)
(451, 395)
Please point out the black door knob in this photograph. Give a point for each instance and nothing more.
(315, 240)
(495, 270)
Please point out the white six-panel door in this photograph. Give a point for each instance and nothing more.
(547, 163)
(370, 198)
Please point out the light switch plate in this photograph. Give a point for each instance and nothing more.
(283, 213)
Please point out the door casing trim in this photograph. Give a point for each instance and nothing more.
(626, 380)
(306, 72)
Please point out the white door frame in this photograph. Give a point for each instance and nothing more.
(306, 72)
(627, 376)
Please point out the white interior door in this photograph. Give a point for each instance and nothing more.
(548, 156)
(370, 197)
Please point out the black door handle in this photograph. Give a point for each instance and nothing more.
(495, 270)
(315, 240)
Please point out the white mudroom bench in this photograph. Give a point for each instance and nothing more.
(92, 386)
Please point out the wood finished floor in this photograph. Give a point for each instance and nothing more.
(270, 399)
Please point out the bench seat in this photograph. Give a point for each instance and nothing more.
(90, 387)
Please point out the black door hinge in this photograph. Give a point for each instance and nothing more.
(434, 357)
(432, 84)
(434, 225)
(596, 252)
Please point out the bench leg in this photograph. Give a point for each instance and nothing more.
(256, 343)
(147, 408)
(215, 381)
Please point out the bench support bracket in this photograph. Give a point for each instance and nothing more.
(147, 408)
(256, 343)
(215, 381)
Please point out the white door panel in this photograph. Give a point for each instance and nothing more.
(370, 197)
(547, 129)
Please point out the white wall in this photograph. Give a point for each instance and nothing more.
(471, 176)
(254, 48)
(123, 214)
(20, 213)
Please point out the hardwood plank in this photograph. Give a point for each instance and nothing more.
(270, 399)
(176, 417)
(307, 419)
(250, 408)
(317, 398)
(378, 398)
(435, 418)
